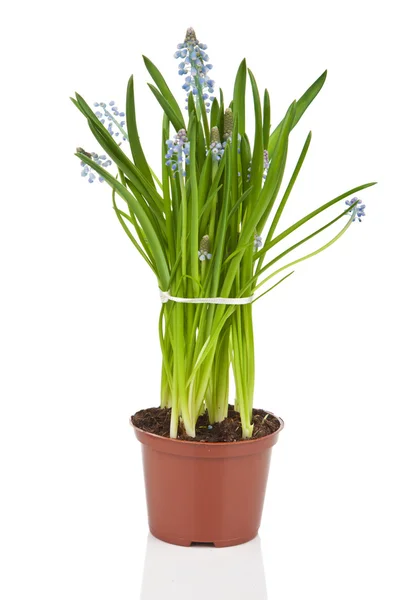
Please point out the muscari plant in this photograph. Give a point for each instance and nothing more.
(208, 227)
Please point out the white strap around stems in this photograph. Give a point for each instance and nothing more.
(166, 296)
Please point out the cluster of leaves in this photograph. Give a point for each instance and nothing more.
(166, 221)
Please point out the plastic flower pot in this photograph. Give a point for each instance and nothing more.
(210, 493)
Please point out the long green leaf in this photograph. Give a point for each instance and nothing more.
(266, 120)
(167, 108)
(164, 89)
(119, 157)
(311, 254)
(273, 286)
(257, 165)
(133, 134)
(301, 106)
(239, 95)
(289, 188)
(272, 182)
(311, 215)
(239, 202)
(194, 206)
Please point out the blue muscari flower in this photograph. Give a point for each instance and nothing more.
(266, 164)
(360, 208)
(103, 160)
(217, 148)
(178, 152)
(111, 113)
(195, 66)
(257, 241)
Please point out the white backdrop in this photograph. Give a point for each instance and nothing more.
(79, 346)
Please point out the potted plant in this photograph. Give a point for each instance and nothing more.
(208, 227)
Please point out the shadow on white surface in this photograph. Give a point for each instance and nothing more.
(173, 572)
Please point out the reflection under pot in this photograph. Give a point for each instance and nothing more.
(178, 573)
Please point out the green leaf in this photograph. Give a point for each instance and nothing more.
(169, 218)
(257, 165)
(191, 104)
(165, 91)
(311, 215)
(311, 254)
(273, 286)
(194, 205)
(219, 245)
(239, 202)
(301, 106)
(239, 95)
(304, 102)
(201, 147)
(289, 188)
(119, 157)
(221, 113)
(266, 120)
(134, 140)
(245, 156)
(214, 114)
(273, 181)
(175, 119)
(205, 181)
(205, 212)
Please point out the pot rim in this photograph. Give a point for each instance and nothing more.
(177, 446)
(176, 440)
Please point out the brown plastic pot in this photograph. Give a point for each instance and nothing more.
(205, 492)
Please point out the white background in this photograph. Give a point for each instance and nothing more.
(79, 347)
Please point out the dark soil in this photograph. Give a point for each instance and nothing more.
(157, 421)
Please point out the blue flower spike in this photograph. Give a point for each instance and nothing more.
(110, 113)
(102, 160)
(360, 208)
(195, 67)
(178, 152)
(217, 148)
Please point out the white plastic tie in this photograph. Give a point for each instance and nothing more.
(166, 296)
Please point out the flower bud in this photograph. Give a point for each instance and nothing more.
(228, 123)
(205, 244)
(214, 136)
(191, 36)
